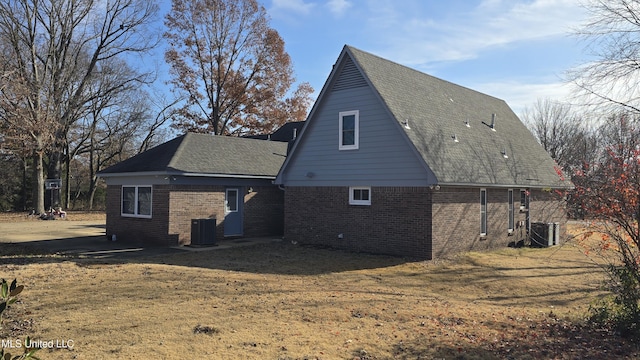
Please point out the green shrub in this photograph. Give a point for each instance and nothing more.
(8, 293)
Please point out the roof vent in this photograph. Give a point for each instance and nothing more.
(466, 123)
(455, 138)
(295, 134)
(504, 153)
(406, 124)
(493, 122)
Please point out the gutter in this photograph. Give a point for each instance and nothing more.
(163, 173)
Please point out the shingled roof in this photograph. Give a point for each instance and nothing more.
(451, 128)
(206, 155)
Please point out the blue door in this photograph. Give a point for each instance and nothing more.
(233, 212)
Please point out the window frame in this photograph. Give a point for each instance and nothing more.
(483, 212)
(136, 201)
(356, 130)
(523, 199)
(352, 198)
(511, 204)
(227, 208)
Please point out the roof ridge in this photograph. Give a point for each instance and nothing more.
(179, 150)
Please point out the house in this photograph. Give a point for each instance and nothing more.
(395, 161)
(154, 196)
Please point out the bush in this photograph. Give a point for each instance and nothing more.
(8, 293)
(621, 311)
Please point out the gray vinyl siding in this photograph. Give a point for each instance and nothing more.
(384, 156)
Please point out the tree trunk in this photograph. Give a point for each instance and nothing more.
(67, 176)
(92, 191)
(25, 177)
(38, 173)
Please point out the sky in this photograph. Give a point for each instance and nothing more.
(516, 50)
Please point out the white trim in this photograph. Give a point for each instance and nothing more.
(356, 130)
(511, 215)
(523, 206)
(483, 223)
(136, 205)
(354, 201)
(170, 174)
(227, 208)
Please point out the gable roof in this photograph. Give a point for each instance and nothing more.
(206, 155)
(434, 113)
(287, 132)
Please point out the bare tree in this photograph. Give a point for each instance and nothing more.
(56, 49)
(612, 35)
(28, 122)
(561, 132)
(232, 67)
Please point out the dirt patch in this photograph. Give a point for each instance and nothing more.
(283, 301)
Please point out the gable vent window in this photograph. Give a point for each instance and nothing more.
(349, 78)
(349, 130)
(360, 195)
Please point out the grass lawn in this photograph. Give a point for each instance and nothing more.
(284, 301)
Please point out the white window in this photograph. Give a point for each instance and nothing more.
(231, 204)
(510, 201)
(523, 199)
(136, 201)
(483, 212)
(359, 195)
(349, 130)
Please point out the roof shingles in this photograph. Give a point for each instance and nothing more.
(437, 110)
(201, 154)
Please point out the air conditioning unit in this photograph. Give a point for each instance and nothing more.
(540, 234)
(203, 231)
(545, 234)
(556, 233)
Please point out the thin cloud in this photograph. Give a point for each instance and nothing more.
(338, 7)
(290, 6)
(420, 39)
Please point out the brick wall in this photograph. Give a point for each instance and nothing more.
(546, 207)
(174, 206)
(397, 222)
(264, 211)
(189, 202)
(414, 222)
(131, 229)
(456, 218)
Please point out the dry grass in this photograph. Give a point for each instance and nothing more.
(71, 216)
(282, 301)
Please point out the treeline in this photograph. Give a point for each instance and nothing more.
(76, 80)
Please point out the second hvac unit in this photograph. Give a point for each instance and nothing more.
(545, 234)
